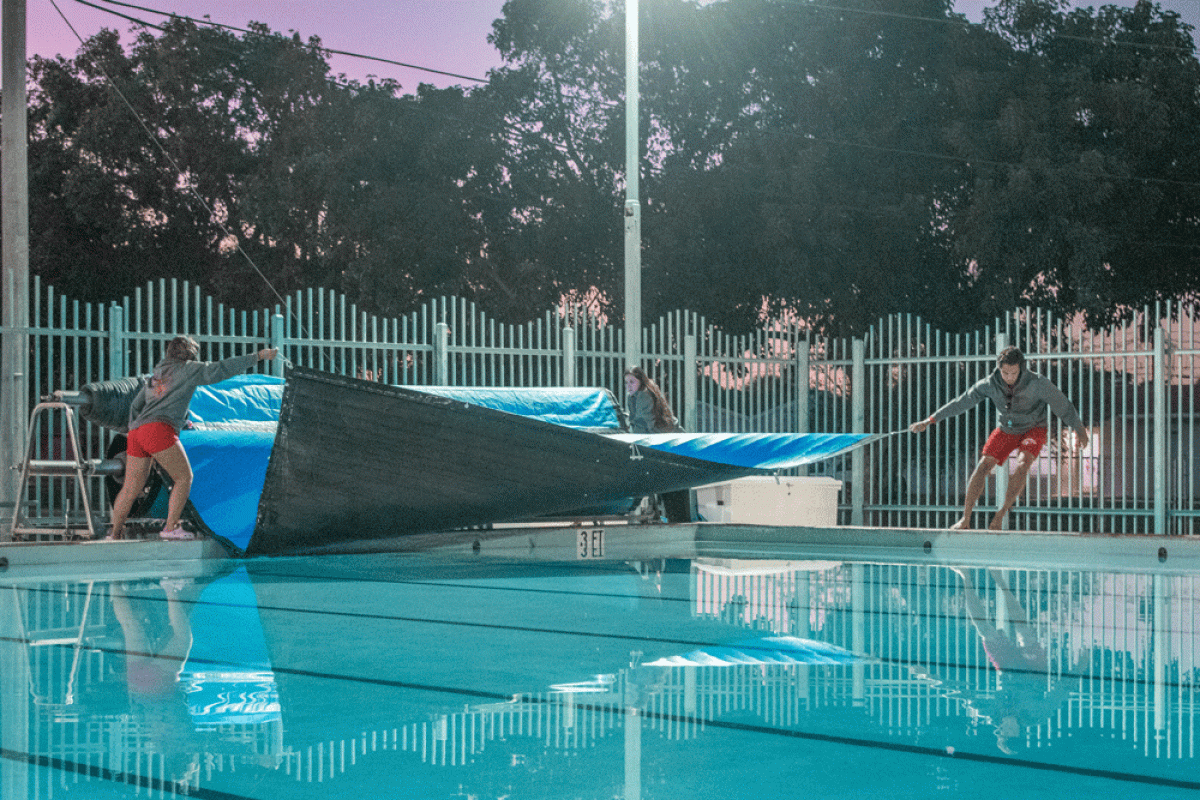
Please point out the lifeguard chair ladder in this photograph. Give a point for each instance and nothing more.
(79, 468)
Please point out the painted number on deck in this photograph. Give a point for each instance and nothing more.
(591, 543)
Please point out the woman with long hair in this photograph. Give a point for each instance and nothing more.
(157, 415)
(649, 411)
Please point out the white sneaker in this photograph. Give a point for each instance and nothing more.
(177, 534)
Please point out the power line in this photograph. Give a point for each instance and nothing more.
(506, 128)
(775, 131)
(179, 170)
(223, 26)
(190, 186)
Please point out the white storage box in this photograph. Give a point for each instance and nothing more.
(764, 500)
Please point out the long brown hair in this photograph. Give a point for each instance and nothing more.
(183, 348)
(664, 419)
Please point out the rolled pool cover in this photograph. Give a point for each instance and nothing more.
(108, 402)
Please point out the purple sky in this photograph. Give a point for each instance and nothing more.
(448, 35)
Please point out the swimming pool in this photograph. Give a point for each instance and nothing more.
(600, 671)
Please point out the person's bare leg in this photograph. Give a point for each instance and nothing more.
(974, 491)
(976, 609)
(136, 472)
(131, 625)
(175, 461)
(178, 609)
(1016, 485)
(1014, 611)
(1021, 629)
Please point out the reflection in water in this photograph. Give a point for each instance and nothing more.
(654, 679)
(149, 684)
(1028, 692)
(158, 638)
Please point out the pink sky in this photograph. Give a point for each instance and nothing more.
(448, 35)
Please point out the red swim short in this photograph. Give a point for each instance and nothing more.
(153, 437)
(1000, 445)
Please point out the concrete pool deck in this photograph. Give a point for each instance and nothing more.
(131, 557)
(1038, 550)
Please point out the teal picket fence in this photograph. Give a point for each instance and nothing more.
(1134, 384)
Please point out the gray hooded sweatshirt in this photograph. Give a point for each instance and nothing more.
(166, 396)
(1020, 407)
(641, 415)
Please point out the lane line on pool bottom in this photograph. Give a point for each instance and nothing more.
(1091, 772)
(124, 778)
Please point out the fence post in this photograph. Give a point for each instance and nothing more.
(277, 342)
(441, 354)
(117, 367)
(803, 385)
(1001, 471)
(858, 406)
(858, 629)
(690, 368)
(568, 357)
(1161, 423)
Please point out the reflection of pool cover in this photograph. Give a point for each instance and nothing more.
(228, 678)
(783, 650)
(357, 460)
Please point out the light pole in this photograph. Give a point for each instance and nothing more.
(633, 208)
(14, 222)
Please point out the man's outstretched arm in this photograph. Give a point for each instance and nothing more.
(968, 399)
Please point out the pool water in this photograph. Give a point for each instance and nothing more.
(694, 674)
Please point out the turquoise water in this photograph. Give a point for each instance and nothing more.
(704, 675)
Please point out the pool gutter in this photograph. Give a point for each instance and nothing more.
(106, 559)
(1036, 550)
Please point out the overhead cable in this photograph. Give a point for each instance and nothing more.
(223, 26)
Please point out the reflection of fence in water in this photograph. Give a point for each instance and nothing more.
(911, 618)
(80, 711)
(931, 665)
(1129, 645)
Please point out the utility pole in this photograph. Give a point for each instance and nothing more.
(14, 288)
(633, 207)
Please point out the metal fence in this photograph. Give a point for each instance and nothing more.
(1134, 385)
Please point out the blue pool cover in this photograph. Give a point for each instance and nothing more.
(765, 451)
(233, 427)
(578, 408)
(229, 444)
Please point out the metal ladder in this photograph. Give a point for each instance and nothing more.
(79, 468)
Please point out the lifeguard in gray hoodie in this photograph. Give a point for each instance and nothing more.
(1021, 398)
(157, 415)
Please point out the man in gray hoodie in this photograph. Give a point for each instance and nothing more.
(157, 415)
(1021, 398)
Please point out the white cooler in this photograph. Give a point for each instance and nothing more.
(764, 500)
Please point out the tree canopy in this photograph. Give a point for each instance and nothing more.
(837, 162)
